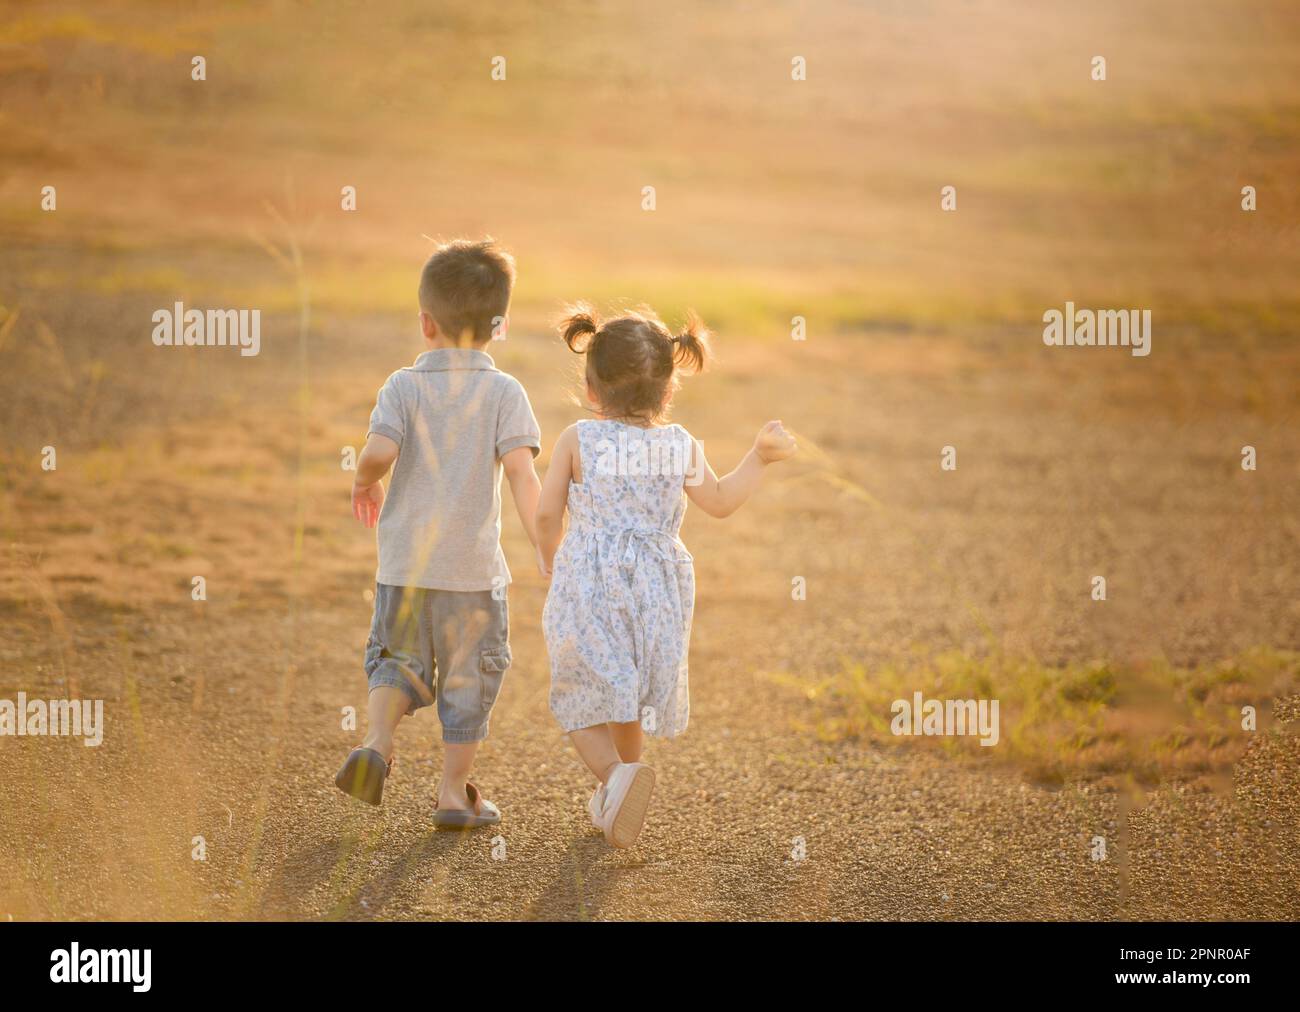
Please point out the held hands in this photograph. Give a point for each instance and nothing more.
(367, 500)
(543, 566)
(773, 443)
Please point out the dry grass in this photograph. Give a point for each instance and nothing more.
(775, 200)
(1141, 724)
(823, 194)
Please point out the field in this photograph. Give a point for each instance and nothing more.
(788, 797)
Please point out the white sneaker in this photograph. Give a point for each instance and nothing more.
(597, 805)
(627, 798)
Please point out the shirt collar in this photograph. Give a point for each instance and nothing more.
(445, 359)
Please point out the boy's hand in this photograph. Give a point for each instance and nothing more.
(367, 500)
(773, 443)
(543, 566)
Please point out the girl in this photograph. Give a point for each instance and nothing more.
(618, 615)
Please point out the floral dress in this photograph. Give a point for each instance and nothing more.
(618, 616)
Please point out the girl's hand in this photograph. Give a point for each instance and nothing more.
(773, 443)
(367, 500)
(543, 566)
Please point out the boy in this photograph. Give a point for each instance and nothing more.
(440, 628)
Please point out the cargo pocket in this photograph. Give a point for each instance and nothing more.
(374, 652)
(492, 665)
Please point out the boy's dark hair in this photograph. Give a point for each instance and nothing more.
(465, 286)
(632, 361)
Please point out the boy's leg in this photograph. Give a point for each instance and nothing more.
(471, 631)
(596, 748)
(456, 763)
(629, 740)
(399, 662)
(384, 709)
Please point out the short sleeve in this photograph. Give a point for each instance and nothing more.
(516, 424)
(388, 419)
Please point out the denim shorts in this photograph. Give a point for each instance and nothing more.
(448, 646)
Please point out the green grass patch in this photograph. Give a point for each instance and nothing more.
(1148, 723)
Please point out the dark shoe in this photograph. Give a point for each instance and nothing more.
(481, 812)
(363, 775)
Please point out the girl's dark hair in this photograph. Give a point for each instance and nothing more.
(632, 360)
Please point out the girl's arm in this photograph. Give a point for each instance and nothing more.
(549, 520)
(720, 497)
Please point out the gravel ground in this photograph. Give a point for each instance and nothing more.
(224, 717)
(109, 832)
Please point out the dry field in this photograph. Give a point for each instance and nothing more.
(1121, 719)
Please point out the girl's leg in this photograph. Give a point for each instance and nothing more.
(596, 748)
(628, 739)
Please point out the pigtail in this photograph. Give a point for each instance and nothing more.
(579, 327)
(691, 346)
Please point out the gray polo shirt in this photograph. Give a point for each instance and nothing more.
(453, 414)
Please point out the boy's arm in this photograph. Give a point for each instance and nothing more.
(518, 439)
(720, 497)
(376, 458)
(549, 521)
(525, 486)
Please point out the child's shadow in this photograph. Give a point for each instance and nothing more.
(299, 873)
(580, 887)
(379, 888)
(355, 896)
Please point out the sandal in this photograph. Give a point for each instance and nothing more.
(363, 775)
(480, 813)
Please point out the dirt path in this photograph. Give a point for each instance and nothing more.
(225, 715)
(107, 833)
